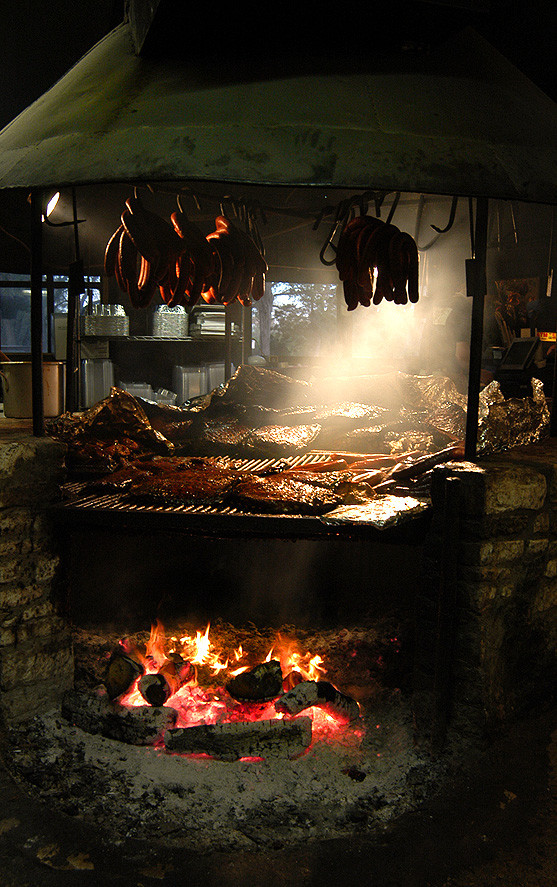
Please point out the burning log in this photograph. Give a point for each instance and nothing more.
(228, 742)
(135, 725)
(121, 671)
(322, 694)
(258, 684)
(173, 674)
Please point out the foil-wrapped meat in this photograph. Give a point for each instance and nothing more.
(368, 439)
(280, 440)
(348, 413)
(217, 435)
(342, 483)
(450, 418)
(257, 385)
(410, 441)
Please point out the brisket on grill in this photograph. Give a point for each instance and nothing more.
(218, 435)
(277, 494)
(205, 485)
(143, 469)
(341, 483)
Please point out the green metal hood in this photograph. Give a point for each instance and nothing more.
(458, 120)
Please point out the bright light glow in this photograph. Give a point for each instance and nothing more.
(51, 205)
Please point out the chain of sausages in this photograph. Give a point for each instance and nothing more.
(375, 261)
(147, 253)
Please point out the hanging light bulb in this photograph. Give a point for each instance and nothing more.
(51, 205)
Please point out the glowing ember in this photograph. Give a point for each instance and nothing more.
(202, 700)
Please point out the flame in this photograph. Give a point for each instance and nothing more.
(311, 667)
(155, 648)
(199, 650)
(197, 704)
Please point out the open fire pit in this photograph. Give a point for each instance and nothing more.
(323, 746)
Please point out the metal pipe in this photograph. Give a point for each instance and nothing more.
(75, 288)
(476, 286)
(446, 616)
(246, 333)
(37, 314)
(227, 343)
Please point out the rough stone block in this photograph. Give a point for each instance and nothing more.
(536, 547)
(545, 597)
(28, 700)
(45, 567)
(18, 595)
(513, 488)
(471, 487)
(39, 630)
(551, 569)
(15, 569)
(15, 548)
(31, 469)
(29, 662)
(36, 610)
(541, 523)
(15, 522)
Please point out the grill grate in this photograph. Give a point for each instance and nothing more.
(83, 507)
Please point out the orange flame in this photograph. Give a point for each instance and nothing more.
(200, 650)
(155, 648)
(196, 704)
(310, 667)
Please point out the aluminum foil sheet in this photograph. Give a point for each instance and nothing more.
(119, 414)
(383, 512)
(511, 422)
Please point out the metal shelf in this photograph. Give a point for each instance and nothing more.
(206, 338)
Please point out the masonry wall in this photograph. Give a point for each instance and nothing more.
(490, 583)
(36, 657)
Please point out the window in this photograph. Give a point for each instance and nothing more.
(15, 308)
(300, 320)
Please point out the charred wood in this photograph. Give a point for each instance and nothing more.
(121, 672)
(322, 694)
(136, 725)
(291, 680)
(157, 688)
(228, 742)
(257, 684)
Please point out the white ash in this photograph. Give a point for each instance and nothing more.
(333, 790)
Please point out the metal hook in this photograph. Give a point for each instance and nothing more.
(451, 218)
(341, 217)
(191, 194)
(471, 219)
(378, 199)
(393, 207)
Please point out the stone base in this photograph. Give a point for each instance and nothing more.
(36, 654)
(490, 578)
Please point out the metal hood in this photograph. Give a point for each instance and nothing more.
(457, 120)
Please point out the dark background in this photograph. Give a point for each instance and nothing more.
(41, 40)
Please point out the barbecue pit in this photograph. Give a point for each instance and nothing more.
(482, 551)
